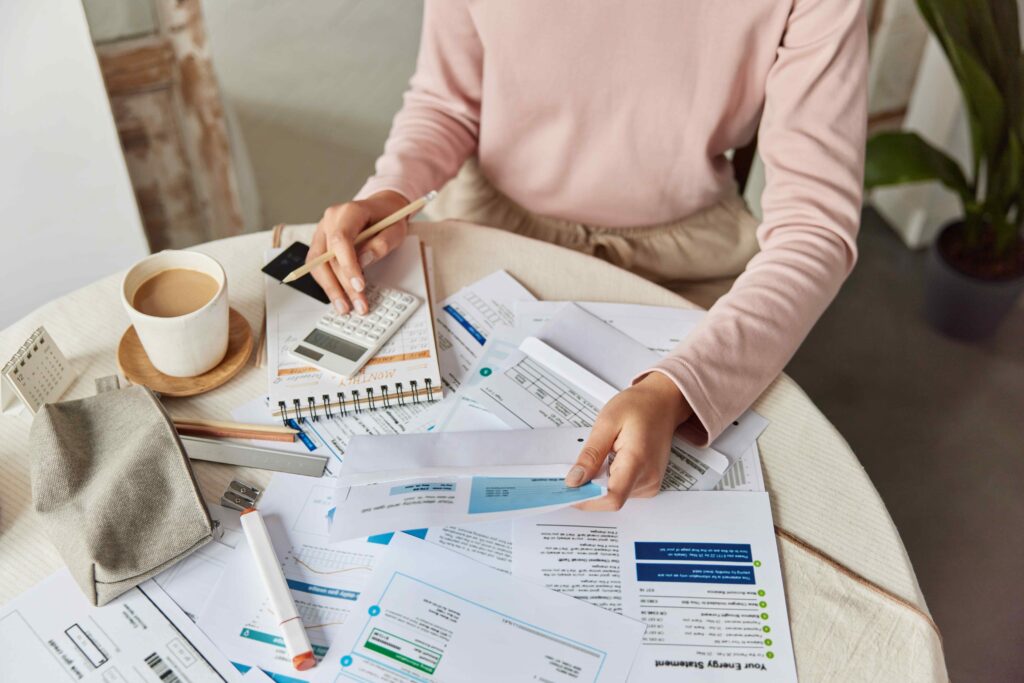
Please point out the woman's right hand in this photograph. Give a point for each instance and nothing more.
(342, 277)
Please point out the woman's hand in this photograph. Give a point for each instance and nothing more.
(637, 425)
(342, 277)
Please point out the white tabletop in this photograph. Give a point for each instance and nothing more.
(856, 610)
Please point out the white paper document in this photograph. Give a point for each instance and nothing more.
(445, 479)
(192, 581)
(700, 569)
(744, 474)
(541, 388)
(429, 614)
(459, 411)
(659, 328)
(325, 579)
(465, 320)
(489, 543)
(52, 633)
(616, 358)
(330, 436)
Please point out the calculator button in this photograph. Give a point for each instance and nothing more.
(350, 328)
(367, 325)
(378, 329)
(406, 299)
(373, 337)
(374, 317)
(400, 307)
(391, 315)
(326, 320)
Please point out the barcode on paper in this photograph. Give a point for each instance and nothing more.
(162, 670)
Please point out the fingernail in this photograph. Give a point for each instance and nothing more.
(575, 476)
(361, 308)
(366, 258)
(358, 284)
(341, 306)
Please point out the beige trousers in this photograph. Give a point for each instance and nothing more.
(697, 257)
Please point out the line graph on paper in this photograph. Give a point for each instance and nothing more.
(319, 617)
(321, 561)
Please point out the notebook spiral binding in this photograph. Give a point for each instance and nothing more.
(357, 401)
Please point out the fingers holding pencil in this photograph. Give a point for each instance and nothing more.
(350, 237)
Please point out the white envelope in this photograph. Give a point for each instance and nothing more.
(516, 453)
(616, 358)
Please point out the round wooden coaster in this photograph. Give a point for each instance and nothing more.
(135, 365)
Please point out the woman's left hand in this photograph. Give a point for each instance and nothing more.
(637, 425)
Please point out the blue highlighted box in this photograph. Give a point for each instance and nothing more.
(475, 333)
(696, 552)
(302, 436)
(325, 591)
(694, 573)
(501, 494)
(276, 641)
(385, 539)
(425, 486)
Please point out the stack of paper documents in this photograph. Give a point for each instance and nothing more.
(443, 544)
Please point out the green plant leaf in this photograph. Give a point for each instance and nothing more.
(986, 40)
(902, 157)
(1005, 185)
(1006, 17)
(950, 21)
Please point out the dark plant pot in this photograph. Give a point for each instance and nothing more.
(964, 306)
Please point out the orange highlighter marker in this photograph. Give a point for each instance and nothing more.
(295, 639)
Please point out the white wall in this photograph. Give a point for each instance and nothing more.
(66, 204)
(314, 85)
(919, 210)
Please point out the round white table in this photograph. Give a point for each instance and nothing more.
(856, 611)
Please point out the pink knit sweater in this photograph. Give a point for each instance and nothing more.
(620, 113)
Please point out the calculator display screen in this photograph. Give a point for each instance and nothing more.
(336, 345)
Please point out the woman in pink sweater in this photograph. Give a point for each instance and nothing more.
(603, 126)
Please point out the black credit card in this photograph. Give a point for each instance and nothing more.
(291, 258)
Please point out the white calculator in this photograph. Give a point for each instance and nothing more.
(343, 343)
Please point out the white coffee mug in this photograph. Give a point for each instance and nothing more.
(185, 345)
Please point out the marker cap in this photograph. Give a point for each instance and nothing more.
(304, 661)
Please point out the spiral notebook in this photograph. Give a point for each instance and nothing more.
(404, 371)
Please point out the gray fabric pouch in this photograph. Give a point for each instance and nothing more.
(115, 490)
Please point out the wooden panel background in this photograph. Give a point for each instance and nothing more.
(170, 118)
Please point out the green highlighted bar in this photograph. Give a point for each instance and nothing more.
(403, 651)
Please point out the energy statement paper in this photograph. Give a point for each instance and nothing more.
(52, 633)
(431, 614)
(700, 569)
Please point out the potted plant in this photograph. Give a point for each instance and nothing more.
(975, 268)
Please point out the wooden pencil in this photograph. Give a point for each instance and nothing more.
(377, 227)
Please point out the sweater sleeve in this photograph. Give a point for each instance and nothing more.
(437, 127)
(811, 139)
